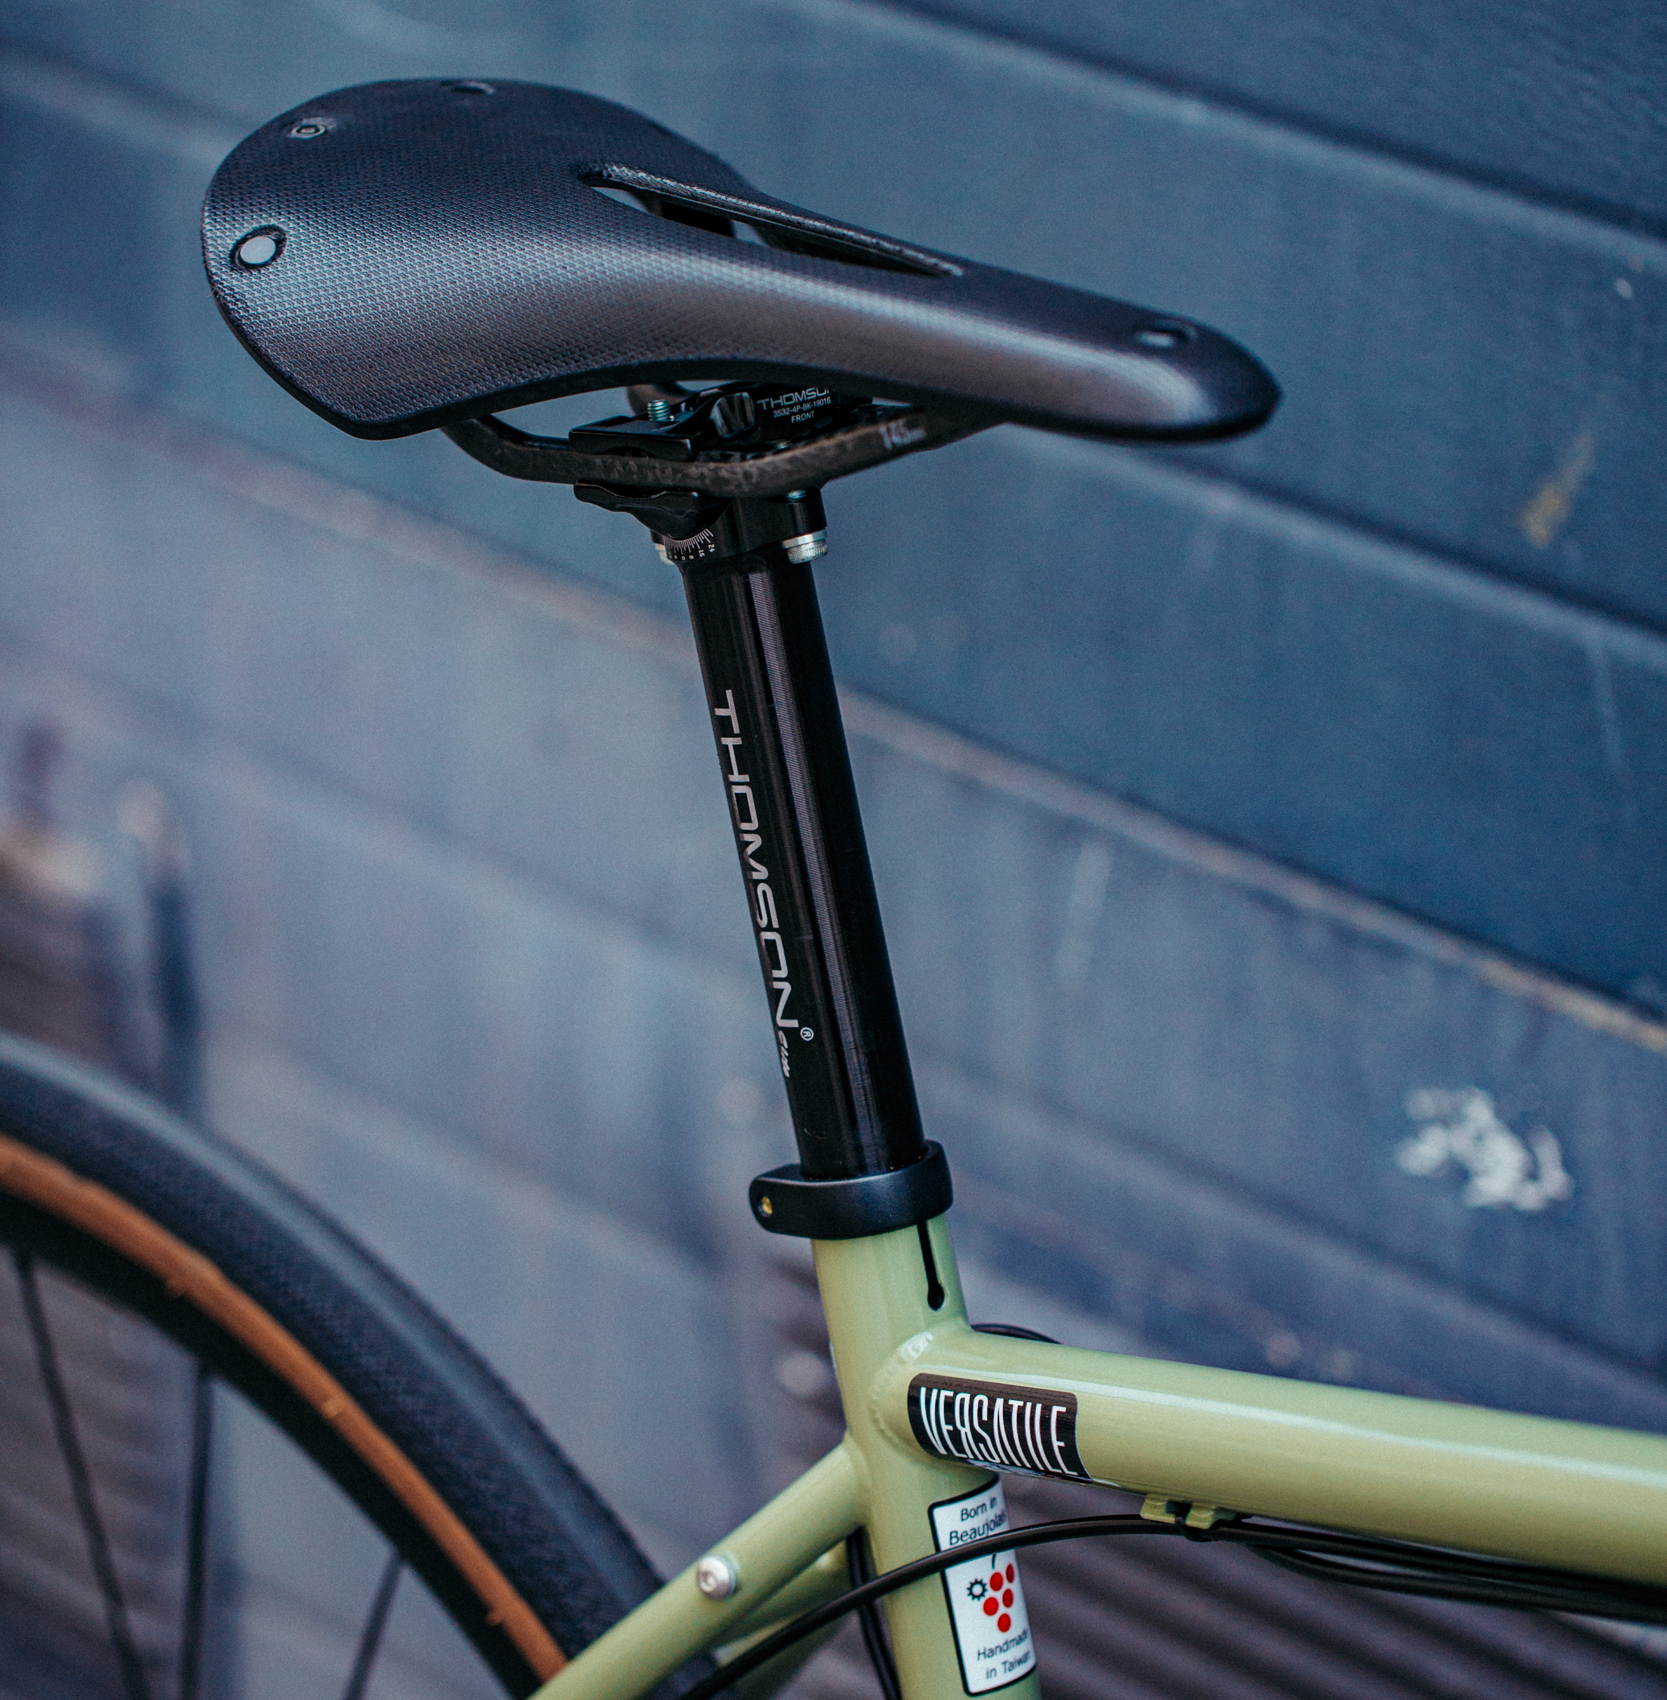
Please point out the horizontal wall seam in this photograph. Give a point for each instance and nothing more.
(143, 119)
(1489, 591)
(1388, 536)
(1139, 92)
(1593, 209)
(1113, 1159)
(156, 125)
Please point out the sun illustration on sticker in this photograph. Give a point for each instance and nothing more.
(977, 1588)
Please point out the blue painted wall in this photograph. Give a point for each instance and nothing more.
(1221, 799)
(1472, 374)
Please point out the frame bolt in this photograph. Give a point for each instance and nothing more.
(715, 1577)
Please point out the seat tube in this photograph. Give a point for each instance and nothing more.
(804, 861)
(839, 1039)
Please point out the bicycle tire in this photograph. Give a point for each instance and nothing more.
(229, 1262)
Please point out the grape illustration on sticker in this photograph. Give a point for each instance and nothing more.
(986, 1598)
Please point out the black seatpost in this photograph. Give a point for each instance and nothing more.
(810, 891)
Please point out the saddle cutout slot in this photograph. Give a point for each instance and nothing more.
(748, 221)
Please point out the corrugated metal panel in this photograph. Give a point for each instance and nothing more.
(1173, 1075)
(1106, 1008)
(1557, 100)
(1467, 370)
(1409, 639)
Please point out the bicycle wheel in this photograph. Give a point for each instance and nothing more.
(107, 1194)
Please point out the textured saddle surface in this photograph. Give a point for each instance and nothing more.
(403, 255)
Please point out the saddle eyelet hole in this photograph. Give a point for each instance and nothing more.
(1165, 333)
(257, 249)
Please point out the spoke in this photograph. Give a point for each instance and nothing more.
(81, 1484)
(196, 1527)
(370, 1637)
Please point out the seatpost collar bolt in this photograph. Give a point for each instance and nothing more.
(715, 1576)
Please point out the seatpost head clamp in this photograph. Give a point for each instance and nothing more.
(690, 528)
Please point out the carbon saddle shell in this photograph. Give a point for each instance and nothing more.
(439, 250)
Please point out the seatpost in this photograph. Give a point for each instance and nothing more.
(787, 774)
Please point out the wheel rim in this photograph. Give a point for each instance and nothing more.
(58, 1224)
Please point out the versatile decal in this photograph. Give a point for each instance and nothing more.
(1032, 1430)
(986, 1598)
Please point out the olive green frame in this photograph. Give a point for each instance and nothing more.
(1566, 1494)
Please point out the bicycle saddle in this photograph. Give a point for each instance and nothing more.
(405, 255)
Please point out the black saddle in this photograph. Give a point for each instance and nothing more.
(406, 255)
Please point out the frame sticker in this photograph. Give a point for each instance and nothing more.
(986, 1598)
(1032, 1430)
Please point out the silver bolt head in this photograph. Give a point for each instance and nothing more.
(715, 1577)
(806, 548)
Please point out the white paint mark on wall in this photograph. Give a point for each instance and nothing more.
(1462, 1130)
(1549, 508)
(1082, 913)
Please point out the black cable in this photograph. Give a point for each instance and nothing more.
(761, 1652)
(1481, 1585)
(1509, 1595)
(1402, 1567)
(868, 1618)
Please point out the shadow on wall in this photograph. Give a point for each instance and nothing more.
(99, 967)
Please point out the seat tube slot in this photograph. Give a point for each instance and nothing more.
(804, 862)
